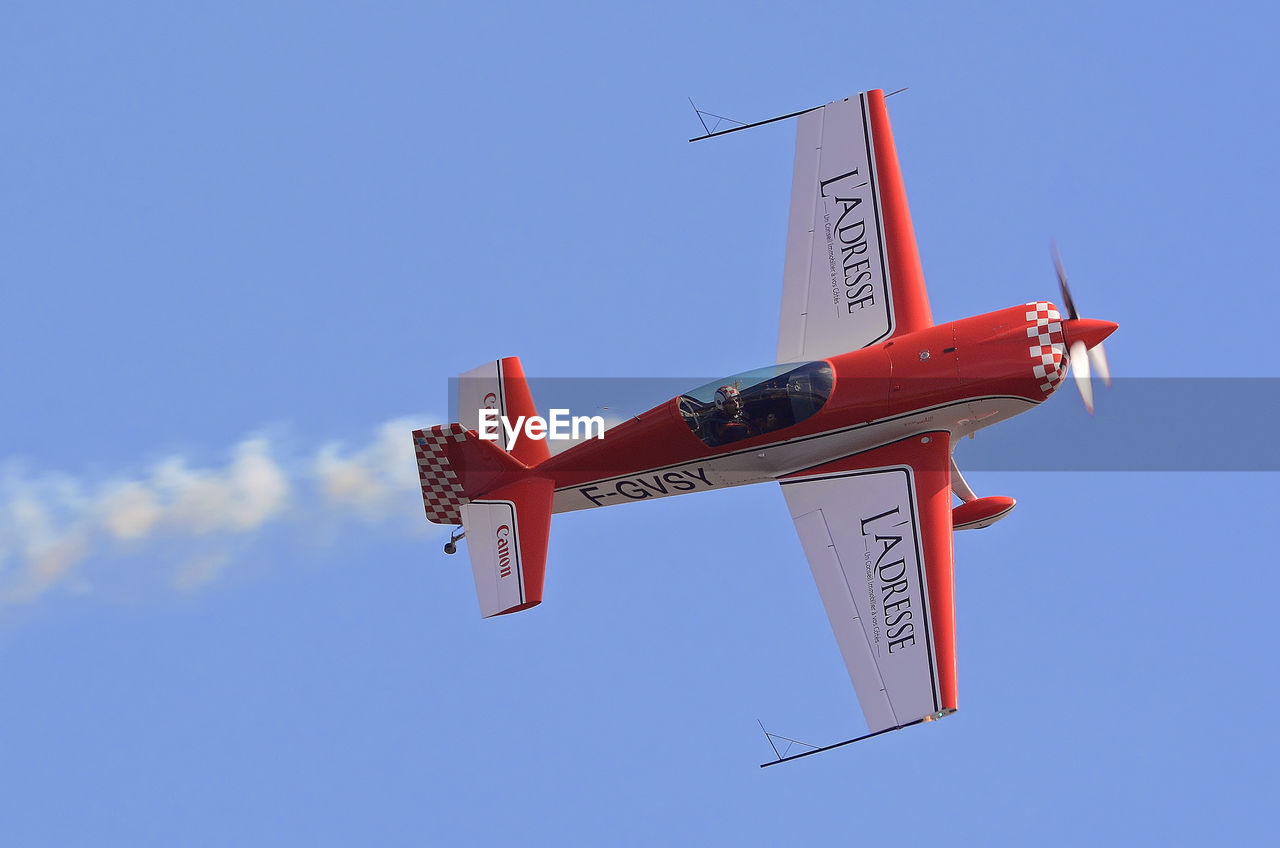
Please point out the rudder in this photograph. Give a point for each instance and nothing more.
(454, 465)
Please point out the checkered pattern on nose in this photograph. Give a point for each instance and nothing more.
(441, 492)
(1049, 345)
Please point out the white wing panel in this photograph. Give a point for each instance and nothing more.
(846, 621)
(836, 293)
(861, 534)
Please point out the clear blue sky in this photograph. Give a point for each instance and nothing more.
(238, 240)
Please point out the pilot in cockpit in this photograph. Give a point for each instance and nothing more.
(726, 423)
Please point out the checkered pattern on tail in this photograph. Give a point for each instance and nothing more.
(1049, 348)
(441, 491)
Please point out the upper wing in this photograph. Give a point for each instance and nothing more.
(876, 529)
(852, 276)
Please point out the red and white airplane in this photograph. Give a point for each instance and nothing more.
(857, 425)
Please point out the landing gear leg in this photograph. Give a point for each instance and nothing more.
(451, 546)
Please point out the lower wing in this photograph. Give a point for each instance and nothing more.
(876, 529)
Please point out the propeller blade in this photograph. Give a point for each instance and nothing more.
(1080, 370)
(1098, 359)
(1062, 283)
(1082, 357)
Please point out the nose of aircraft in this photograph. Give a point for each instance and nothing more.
(1088, 330)
(1084, 338)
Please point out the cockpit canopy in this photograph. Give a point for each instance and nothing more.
(767, 399)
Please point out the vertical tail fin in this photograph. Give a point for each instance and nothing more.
(455, 465)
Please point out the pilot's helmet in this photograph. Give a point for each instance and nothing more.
(727, 399)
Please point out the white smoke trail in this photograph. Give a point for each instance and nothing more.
(52, 524)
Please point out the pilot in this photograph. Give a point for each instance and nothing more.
(726, 422)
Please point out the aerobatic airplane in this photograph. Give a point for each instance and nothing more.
(856, 423)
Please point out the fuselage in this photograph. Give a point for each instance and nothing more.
(956, 377)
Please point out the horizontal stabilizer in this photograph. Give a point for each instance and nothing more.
(507, 539)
